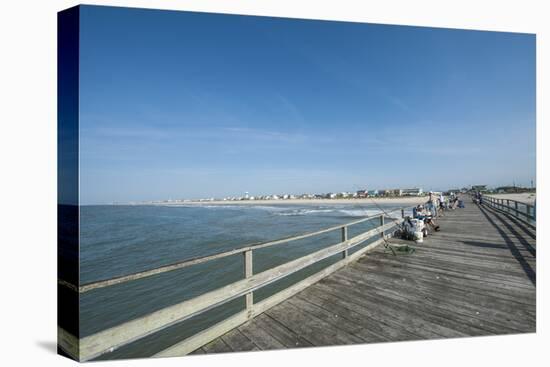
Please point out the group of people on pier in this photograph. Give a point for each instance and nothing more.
(435, 207)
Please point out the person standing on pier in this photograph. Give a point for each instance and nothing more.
(442, 205)
(432, 204)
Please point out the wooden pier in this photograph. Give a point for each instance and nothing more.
(475, 277)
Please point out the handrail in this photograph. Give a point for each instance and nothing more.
(106, 341)
(202, 259)
(528, 216)
(505, 199)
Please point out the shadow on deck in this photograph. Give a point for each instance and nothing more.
(475, 277)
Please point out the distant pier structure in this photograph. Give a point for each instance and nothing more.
(477, 276)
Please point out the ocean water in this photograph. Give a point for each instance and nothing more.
(118, 240)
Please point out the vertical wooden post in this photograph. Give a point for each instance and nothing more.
(402, 213)
(381, 224)
(344, 239)
(248, 271)
(508, 205)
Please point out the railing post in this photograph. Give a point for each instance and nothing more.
(402, 213)
(248, 271)
(516, 207)
(508, 205)
(381, 224)
(344, 239)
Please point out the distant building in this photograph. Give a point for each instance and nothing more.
(361, 194)
(479, 187)
(412, 192)
(391, 192)
(506, 189)
(372, 193)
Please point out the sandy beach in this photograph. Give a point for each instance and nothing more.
(397, 201)
(525, 197)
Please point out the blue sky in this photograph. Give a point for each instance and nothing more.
(187, 105)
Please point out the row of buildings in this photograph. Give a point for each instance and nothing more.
(503, 189)
(365, 193)
(339, 195)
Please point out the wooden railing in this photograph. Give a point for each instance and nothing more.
(108, 340)
(519, 210)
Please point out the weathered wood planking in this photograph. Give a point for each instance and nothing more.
(475, 277)
(195, 341)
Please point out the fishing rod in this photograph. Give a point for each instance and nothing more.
(398, 224)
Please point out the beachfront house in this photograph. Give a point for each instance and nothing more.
(361, 194)
(372, 193)
(412, 192)
(391, 192)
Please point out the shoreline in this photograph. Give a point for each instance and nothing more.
(412, 200)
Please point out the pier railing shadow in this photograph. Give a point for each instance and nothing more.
(516, 234)
(106, 341)
(529, 271)
(528, 230)
(512, 209)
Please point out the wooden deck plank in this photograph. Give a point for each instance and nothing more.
(216, 346)
(445, 299)
(334, 319)
(238, 342)
(313, 329)
(454, 284)
(280, 332)
(474, 277)
(262, 338)
(357, 312)
(391, 311)
(419, 307)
